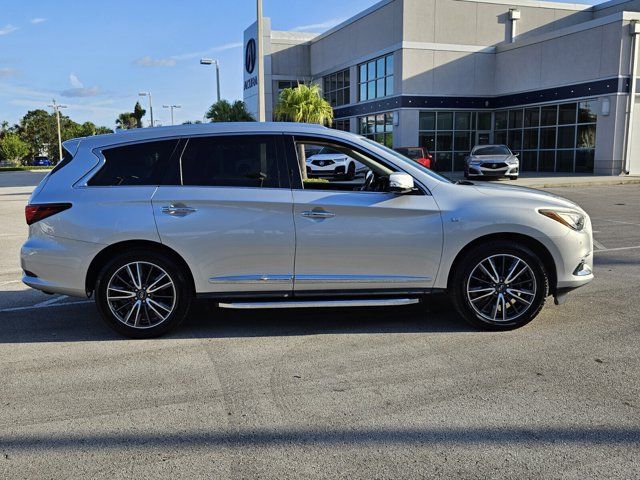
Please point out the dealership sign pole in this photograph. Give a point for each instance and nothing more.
(260, 65)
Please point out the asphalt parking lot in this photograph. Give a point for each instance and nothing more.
(410, 392)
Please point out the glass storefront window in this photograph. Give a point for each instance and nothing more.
(337, 88)
(530, 139)
(531, 117)
(566, 137)
(586, 136)
(515, 118)
(377, 127)
(445, 120)
(587, 111)
(377, 75)
(501, 120)
(564, 161)
(549, 115)
(567, 114)
(427, 121)
(547, 160)
(548, 137)
(463, 120)
(584, 160)
(484, 121)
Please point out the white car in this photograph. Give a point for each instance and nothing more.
(492, 161)
(328, 162)
(146, 220)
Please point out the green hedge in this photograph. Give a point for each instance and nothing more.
(17, 169)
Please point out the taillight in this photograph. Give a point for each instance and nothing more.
(36, 212)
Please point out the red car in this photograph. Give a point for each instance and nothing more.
(417, 154)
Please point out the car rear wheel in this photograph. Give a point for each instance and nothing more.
(142, 294)
(500, 286)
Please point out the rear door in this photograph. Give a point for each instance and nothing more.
(226, 209)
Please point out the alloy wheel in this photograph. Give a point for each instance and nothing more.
(501, 288)
(141, 295)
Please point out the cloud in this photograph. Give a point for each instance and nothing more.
(79, 89)
(171, 61)
(75, 81)
(7, 29)
(147, 61)
(319, 26)
(8, 72)
(38, 20)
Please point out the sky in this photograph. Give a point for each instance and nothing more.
(95, 56)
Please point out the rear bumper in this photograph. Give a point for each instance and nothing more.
(55, 264)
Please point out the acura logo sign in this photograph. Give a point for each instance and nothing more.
(250, 56)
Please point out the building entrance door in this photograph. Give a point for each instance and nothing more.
(483, 137)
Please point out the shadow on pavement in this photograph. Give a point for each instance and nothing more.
(69, 323)
(585, 436)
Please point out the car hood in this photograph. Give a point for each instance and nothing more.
(491, 158)
(513, 193)
(325, 156)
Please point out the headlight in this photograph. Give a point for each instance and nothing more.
(512, 161)
(572, 219)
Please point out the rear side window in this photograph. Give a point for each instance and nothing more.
(66, 159)
(237, 161)
(137, 164)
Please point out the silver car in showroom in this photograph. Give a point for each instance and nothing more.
(147, 220)
(491, 161)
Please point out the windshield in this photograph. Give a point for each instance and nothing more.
(492, 150)
(399, 156)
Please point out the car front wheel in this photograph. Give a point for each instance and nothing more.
(142, 294)
(500, 286)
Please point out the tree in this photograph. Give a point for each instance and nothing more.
(223, 111)
(138, 113)
(13, 149)
(303, 104)
(38, 129)
(126, 121)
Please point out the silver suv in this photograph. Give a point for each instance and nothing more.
(146, 220)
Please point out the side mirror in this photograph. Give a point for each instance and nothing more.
(401, 183)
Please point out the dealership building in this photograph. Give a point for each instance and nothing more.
(549, 79)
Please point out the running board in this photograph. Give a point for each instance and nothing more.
(382, 302)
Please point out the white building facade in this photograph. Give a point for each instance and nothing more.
(551, 80)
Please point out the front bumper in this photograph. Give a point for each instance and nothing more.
(503, 171)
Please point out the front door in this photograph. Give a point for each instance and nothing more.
(349, 240)
(227, 212)
(483, 137)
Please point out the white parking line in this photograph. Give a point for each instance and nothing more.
(598, 245)
(11, 281)
(52, 302)
(617, 249)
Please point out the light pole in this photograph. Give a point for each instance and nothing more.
(261, 103)
(171, 107)
(148, 94)
(56, 109)
(210, 61)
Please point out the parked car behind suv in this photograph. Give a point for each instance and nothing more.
(146, 220)
(329, 162)
(492, 161)
(417, 154)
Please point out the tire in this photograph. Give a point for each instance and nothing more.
(513, 177)
(351, 171)
(160, 310)
(504, 308)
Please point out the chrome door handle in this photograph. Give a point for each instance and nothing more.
(317, 214)
(177, 210)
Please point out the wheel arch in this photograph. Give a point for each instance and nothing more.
(110, 251)
(535, 245)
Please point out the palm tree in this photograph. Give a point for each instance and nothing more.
(223, 111)
(126, 121)
(303, 104)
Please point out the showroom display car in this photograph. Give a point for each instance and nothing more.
(146, 220)
(328, 162)
(491, 161)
